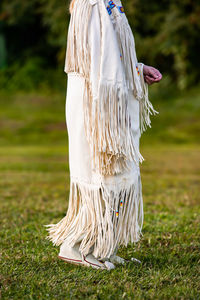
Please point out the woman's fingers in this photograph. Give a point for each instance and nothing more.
(148, 79)
(151, 79)
(158, 75)
(151, 74)
(154, 73)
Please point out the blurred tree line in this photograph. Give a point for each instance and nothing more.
(33, 37)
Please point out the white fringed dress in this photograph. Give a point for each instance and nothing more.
(107, 109)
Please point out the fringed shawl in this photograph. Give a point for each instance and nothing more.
(101, 48)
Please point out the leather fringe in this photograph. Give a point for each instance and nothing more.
(107, 120)
(146, 107)
(102, 217)
(108, 130)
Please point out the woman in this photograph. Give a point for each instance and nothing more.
(107, 109)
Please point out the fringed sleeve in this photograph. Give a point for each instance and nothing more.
(94, 50)
(77, 57)
(146, 107)
(107, 118)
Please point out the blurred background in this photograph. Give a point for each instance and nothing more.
(33, 38)
(34, 177)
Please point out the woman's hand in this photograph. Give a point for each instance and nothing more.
(151, 74)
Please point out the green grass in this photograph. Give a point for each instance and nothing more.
(34, 190)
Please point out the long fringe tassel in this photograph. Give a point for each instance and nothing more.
(104, 217)
(77, 53)
(134, 82)
(128, 55)
(146, 107)
(108, 129)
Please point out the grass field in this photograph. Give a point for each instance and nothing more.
(34, 190)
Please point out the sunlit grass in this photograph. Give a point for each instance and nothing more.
(34, 190)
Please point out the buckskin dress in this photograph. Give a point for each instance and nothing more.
(106, 113)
